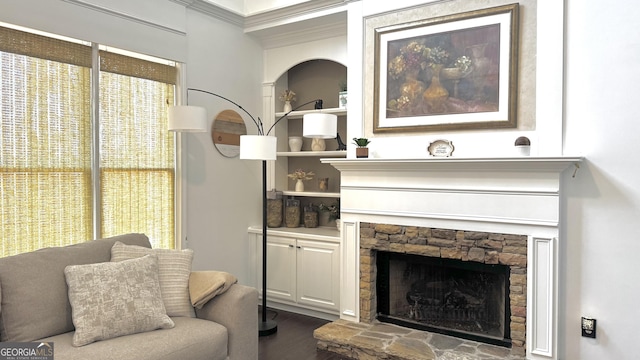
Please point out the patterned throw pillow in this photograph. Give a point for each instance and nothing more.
(115, 299)
(174, 268)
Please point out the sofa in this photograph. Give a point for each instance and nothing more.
(44, 294)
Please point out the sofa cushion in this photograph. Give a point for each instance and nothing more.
(115, 298)
(174, 268)
(191, 338)
(42, 308)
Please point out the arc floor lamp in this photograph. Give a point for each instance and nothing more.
(187, 118)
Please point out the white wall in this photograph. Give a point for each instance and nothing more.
(224, 195)
(603, 205)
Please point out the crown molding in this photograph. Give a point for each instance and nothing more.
(292, 14)
(319, 28)
(212, 10)
(308, 21)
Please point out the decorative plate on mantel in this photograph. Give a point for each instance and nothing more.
(441, 148)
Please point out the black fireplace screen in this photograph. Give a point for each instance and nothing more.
(454, 297)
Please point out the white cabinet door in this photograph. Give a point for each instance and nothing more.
(318, 274)
(281, 268)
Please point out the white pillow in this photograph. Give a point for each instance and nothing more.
(174, 268)
(115, 299)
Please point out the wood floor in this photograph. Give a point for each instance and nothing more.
(294, 338)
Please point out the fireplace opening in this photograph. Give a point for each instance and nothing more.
(466, 299)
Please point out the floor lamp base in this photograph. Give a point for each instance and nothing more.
(267, 327)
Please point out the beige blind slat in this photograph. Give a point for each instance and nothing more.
(38, 46)
(125, 65)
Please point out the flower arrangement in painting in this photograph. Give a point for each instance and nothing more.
(414, 57)
(300, 174)
(463, 63)
(437, 55)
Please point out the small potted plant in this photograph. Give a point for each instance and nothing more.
(362, 151)
(331, 211)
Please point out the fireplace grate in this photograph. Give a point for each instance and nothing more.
(454, 296)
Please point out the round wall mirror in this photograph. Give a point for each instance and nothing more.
(227, 127)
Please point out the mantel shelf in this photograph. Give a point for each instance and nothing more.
(520, 164)
(301, 113)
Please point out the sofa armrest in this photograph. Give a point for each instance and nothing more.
(237, 310)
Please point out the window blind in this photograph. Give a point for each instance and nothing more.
(137, 152)
(46, 169)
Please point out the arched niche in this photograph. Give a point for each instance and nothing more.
(313, 79)
(278, 61)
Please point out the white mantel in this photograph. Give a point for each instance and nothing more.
(519, 195)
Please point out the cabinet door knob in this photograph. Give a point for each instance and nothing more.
(290, 245)
(299, 247)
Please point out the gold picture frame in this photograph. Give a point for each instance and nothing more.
(451, 72)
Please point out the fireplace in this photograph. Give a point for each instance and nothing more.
(453, 297)
(491, 211)
(432, 266)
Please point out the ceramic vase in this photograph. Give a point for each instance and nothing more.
(323, 184)
(295, 143)
(523, 150)
(318, 145)
(299, 185)
(287, 106)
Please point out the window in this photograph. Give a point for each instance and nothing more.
(61, 184)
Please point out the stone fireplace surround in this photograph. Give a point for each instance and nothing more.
(466, 196)
(481, 247)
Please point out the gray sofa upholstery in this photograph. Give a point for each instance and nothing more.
(34, 306)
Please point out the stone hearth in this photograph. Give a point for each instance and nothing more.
(391, 342)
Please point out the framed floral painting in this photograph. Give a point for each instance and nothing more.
(447, 73)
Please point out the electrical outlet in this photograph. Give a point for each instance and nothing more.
(588, 327)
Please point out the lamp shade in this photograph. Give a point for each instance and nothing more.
(187, 119)
(319, 125)
(258, 147)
